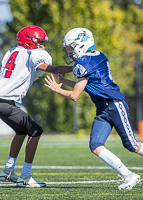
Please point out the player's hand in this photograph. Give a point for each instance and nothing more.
(52, 84)
(59, 77)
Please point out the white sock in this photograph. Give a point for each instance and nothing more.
(27, 168)
(10, 165)
(114, 162)
(140, 152)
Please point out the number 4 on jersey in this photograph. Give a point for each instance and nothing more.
(10, 65)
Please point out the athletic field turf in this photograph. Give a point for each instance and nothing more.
(71, 171)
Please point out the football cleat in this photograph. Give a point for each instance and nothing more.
(7, 175)
(129, 181)
(29, 181)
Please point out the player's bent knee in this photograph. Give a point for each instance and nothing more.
(93, 146)
(98, 150)
(36, 130)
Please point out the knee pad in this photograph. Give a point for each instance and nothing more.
(36, 130)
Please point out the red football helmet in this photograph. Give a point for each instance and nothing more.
(29, 36)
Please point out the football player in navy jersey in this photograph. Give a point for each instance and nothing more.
(93, 72)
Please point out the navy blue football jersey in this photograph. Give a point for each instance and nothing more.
(95, 67)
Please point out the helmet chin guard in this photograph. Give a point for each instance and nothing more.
(81, 40)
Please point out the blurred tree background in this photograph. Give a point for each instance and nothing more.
(118, 32)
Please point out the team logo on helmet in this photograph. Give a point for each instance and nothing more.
(82, 36)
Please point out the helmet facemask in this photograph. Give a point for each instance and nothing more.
(70, 55)
(42, 44)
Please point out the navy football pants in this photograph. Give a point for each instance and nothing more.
(113, 114)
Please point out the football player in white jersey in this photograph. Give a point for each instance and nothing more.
(21, 66)
(94, 77)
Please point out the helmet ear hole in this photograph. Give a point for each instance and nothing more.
(81, 47)
(28, 43)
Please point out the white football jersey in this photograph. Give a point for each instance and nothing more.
(19, 71)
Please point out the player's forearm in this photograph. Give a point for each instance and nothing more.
(55, 69)
(72, 95)
(67, 94)
(68, 82)
(59, 69)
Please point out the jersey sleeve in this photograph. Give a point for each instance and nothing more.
(79, 70)
(89, 64)
(40, 56)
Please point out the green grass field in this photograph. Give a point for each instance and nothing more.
(71, 171)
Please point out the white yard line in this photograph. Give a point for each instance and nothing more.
(71, 182)
(70, 167)
(64, 183)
